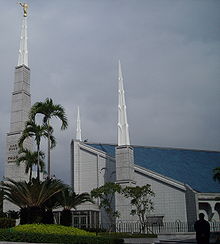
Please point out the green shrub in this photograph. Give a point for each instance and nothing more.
(51, 229)
(7, 223)
(18, 236)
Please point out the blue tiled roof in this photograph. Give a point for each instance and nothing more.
(192, 167)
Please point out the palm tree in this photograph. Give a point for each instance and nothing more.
(30, 159)
(49, 110)
(31, 197)
(216, 173)
(68, 200)
(37, 131)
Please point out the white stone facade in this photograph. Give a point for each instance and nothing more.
(20, 107)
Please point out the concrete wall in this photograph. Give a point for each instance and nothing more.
(90, 168)
(169, 200)
(191, 204)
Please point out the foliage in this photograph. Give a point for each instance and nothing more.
(35, 131)
(30, 159)
(49, 110)
(31, 197)
(69, 199)
(9, 236)
(7, 223)
(31, 194)
(66, 217)
(141, 201)
(216, 174)
(51, 229)
(106, 194)
(53, 234)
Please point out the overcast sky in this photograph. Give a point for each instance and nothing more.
(170, 55)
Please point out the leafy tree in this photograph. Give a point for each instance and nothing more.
(106, 194)
(31, 197)
(141, 201)
(35, 131)
(216, 174)
(49, 110)
(68, 200)
(30, 159)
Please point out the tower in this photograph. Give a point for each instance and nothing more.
(20, 107)
(78, 126)
(124, 152)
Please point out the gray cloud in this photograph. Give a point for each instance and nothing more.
(170, 58)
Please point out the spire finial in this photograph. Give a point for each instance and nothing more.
(78, 126)
(123, 133)
(25, 7)
(23, 51)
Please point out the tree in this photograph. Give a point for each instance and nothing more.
(31, 197)
(216, 174)
(30, 159)
(141, 201)
(49, 110)
(68, 200)
(106, 194)
(37, 131)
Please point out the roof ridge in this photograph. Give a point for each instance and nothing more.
(158, 147)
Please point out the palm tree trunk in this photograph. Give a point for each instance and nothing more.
(30, 176)
(38, 162)
(48, 151)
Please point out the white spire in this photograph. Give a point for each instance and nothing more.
(78, 126)
(123, 133)
(23, 51)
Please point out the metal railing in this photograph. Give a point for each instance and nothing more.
(162, 228)
(165, 227)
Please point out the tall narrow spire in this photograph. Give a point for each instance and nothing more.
(20, 107)
(78, 126)
(23, 51)
(123, 133)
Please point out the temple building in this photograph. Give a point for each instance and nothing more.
(180, 178)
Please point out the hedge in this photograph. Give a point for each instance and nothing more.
(17, 236)
(51, 229)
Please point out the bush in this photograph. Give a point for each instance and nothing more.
(17, 236)
(66, 217)
(48, 217)
(31, 215)
(51, 229)
(7, 223)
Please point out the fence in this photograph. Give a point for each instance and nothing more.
(165, 227)
(162, 228)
